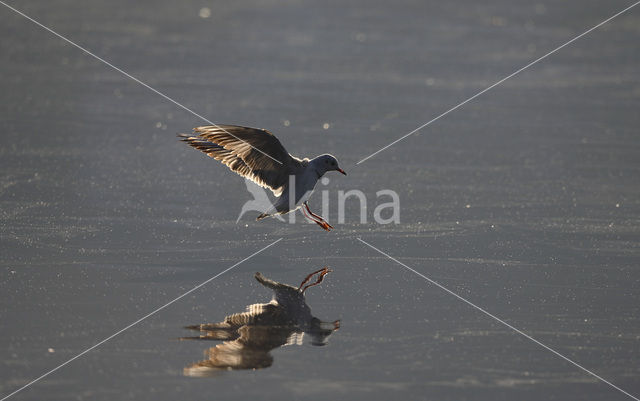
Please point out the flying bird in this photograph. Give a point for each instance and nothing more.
(258, 155)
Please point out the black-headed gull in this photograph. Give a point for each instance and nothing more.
(258, 155)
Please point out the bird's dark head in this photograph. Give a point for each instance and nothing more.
(324, 163)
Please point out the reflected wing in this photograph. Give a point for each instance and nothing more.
(254, 153)
(231, 355)
(256, 314)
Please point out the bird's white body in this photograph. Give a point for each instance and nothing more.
(301, 185)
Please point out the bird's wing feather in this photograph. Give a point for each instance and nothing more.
(251, 152)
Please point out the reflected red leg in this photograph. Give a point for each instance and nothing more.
(321, 273)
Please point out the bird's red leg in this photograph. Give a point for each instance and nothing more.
(304, 211)
(321, 273)
(313, 214)
(323, 223)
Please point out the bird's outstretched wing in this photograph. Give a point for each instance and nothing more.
(254, 153)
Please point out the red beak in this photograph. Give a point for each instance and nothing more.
(342, 171)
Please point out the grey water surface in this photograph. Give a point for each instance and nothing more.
(524, 201)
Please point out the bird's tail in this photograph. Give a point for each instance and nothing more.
(262, 216)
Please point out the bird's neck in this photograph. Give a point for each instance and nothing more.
(316, 169)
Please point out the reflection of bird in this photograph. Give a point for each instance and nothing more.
(250, 336)
(258, 155)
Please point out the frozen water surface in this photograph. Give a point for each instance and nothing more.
(525, 201)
